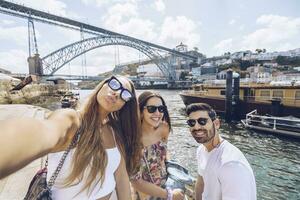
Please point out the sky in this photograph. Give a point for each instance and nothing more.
(213, 26)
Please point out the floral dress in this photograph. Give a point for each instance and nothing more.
(153, 167)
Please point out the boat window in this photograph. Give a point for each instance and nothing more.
(297, 95)
(223, 92)
(277, 94)
(265, 94)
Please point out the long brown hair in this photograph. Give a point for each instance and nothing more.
(143, 99)
(90, 153)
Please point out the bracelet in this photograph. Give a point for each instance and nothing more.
(170, 194)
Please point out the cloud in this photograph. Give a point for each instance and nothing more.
(159, 5)
(14, 60)
(100, 3)
(224, 46)
(275, 33)
(232, 22)
(56, 7)
(7, 22)
(53, 6)
(16, 34)
(124, 18)
(179, 29)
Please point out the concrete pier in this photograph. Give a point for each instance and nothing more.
(14, 187)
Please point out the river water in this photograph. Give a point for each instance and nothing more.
(275, 160)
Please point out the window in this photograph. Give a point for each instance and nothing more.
(297, 95)
(278, 94)
(265, 94)
(223, 92)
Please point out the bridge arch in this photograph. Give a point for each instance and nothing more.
(57, 59)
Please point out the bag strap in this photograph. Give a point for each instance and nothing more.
(62, 160)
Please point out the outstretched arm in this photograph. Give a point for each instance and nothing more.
(26, 139)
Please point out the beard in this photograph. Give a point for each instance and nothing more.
(207, 135)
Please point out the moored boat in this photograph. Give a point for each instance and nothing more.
(69, 100)
(265, 98)
(286, 126)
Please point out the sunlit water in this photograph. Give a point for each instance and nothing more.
(275, 160)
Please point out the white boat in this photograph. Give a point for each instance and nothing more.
(287, 126)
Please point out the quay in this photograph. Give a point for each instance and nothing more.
(14, 187)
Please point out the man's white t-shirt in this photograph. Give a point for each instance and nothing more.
(226, 173)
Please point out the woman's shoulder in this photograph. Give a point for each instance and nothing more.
(61, 114)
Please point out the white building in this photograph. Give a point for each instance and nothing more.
(149, 70)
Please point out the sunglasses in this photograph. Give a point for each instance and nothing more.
(116, 85)
(201, 121)
(152, 109)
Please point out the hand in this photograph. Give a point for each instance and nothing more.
(177, 194)
(163, 129)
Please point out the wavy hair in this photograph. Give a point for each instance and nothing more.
(90, 152)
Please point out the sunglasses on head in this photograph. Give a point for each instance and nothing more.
(152, 109)
(116, 85)
(201, 121)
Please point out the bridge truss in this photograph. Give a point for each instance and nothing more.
(100, 37)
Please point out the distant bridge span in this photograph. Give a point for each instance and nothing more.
(59, 58)
(56, 60)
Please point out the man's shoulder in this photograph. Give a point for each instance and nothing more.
(200, 149)
(231, 153)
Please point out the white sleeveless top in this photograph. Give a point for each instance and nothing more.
(71, 192)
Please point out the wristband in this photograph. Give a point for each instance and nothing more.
(170, 194)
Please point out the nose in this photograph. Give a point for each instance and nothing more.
(115, 93)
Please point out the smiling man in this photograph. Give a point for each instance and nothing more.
(223, 171)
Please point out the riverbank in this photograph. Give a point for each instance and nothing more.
(30, 94)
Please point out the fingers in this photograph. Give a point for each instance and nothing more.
(178, 194)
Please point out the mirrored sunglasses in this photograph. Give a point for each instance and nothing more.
(116, 85)
(201, 121)
(152, 109)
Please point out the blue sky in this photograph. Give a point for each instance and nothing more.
(213, 26)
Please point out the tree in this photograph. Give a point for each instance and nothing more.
(258, 51)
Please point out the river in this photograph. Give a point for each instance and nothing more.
(275, 160)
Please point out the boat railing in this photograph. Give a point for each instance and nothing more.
(253, 118)
(200, 92)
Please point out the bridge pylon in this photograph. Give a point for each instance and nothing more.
(35, 65)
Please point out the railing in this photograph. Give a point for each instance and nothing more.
(253, 118)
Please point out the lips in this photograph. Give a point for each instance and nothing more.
(110, 99)
(199, 133)
(156, 119)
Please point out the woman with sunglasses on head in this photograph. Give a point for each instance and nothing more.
(156, 126)
(105, 146)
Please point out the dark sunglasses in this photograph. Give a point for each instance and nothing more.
(116, 85)
(201, 121)
(152, 109)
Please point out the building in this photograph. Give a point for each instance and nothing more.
(149, 70)
(260, 73)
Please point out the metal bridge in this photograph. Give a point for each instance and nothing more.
(52, 62)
